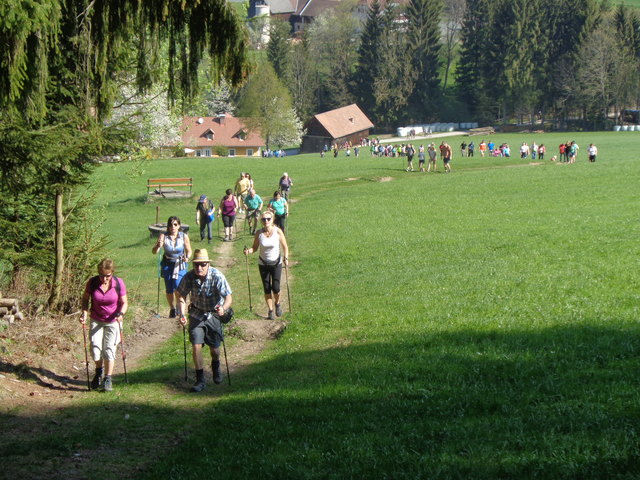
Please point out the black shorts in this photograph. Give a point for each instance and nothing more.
(228, 220)
(270, 275)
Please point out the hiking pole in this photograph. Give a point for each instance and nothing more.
(246, 262)
(124, 353)
(86, 357)
(226, 361)
(184, 341)
(286, 277)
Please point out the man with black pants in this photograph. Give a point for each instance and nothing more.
(210, 296)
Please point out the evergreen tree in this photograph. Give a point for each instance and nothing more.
(369, 58)
(279, 46)
(63, 71)
(423, 54)
(472, 84)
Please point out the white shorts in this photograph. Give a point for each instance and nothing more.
(104, 340)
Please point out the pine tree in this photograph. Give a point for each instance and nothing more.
(369, 53)
(423, 54)
(278, 47)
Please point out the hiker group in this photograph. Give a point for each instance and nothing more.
(204, 287)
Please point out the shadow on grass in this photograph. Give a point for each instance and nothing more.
(40, 376)
(556, 403)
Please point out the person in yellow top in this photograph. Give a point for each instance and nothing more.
(241, 190)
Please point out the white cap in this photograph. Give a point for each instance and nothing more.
(285, 174)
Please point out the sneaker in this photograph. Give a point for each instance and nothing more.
(217, 374)
(226, 238)
(278, 310)
(198, 386)
(95, 383)
(108, 387)
(172, 313)
(270, 316)
(231, 238)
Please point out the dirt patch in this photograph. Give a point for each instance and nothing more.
(352, 179)
(385, 179)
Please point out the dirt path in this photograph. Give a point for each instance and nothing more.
(34, 382)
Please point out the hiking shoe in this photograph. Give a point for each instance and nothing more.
(270, 316)
(172, 313)
(108, 387)
(217, 374)
(278, 310)
(198, 386)
(95, 383)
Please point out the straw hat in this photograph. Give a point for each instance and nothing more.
(201, 256)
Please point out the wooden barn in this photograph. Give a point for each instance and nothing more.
(336, 126)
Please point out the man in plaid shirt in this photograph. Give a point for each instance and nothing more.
(210, 296)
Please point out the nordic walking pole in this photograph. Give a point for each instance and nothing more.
(124, 353)
(226, 361)
(86, 357)
(184, 341)
(286, 277)
(246, 262)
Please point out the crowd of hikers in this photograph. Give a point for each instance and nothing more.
(200, 297)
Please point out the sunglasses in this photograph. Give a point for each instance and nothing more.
(105, 276)
(200, 265)
(266, 219)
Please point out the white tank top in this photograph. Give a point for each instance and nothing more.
(269, 248)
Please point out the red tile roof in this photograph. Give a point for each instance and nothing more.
(225, 131)
(344, 121)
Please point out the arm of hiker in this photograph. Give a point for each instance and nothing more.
(85, 307)
(284, 247)
(222, 309)
(124, 305)
(182, 307)
(187, 247)
(254, 247)
(158, 245)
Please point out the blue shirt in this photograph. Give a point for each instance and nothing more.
(206, 293)
(253, 203)
(278, 206)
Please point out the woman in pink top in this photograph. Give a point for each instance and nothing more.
(108, 295)
(228, 207)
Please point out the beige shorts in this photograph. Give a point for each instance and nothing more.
(104, 340)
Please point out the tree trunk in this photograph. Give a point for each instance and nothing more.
(56, 286)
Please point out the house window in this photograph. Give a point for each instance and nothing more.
(198, 153)
(207, 152)
(209, 136)
(232, 152)
(250, 151)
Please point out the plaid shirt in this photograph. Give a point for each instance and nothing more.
(205, 294)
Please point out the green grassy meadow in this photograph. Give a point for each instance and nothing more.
(481, 324)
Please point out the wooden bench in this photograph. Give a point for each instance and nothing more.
(159, 183)
(481, 131)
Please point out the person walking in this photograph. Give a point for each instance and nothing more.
(471, 148)
(410, 151)
(107, 295)
(592, 151)
(228, 208)
(273, 250)
(253, 203)
(421, 158)
(446, 157)
(205, 212)
(284, 185)
(433, 155)
(280, 207)
(210, 304)
(241, 189)
(177, 250)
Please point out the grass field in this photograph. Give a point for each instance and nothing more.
(482, 324)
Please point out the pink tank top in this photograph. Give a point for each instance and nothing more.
(228, 207)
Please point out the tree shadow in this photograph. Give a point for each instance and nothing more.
(553, 403)
(38, 376)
